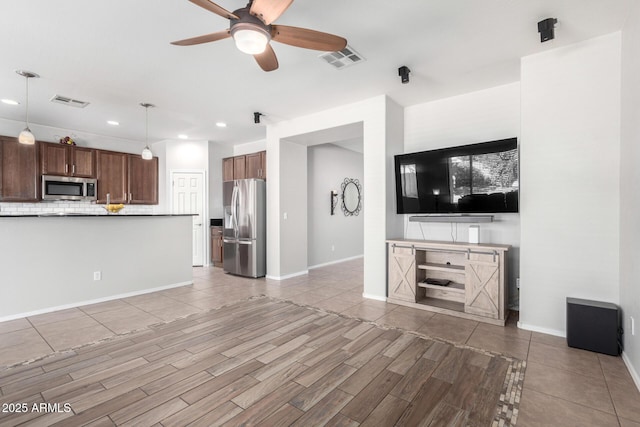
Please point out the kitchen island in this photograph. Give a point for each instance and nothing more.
(55, 261)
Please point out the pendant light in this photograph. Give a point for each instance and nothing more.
(26, 137)
(146, 152)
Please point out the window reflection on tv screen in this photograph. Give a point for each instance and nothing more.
(478, 178)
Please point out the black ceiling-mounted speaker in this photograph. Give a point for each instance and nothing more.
(546, 28)
(403, 72)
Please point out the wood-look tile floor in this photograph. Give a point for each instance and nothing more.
(235, 356)
(261, 362)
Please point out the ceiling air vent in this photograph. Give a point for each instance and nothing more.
(343, 58)
(69, 101)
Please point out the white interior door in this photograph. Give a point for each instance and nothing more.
(188, 198)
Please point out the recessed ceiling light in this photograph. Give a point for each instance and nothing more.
(221, 125)
(10, 102)
(113, 123)
(182, 136)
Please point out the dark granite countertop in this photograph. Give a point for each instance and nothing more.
(85, 215)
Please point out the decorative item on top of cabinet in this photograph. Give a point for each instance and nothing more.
(67, 160)
(216, 246)
(252, 165)
(19, 178)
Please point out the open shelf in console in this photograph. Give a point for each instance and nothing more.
(443, 304)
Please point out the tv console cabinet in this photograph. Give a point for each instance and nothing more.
(461, 279)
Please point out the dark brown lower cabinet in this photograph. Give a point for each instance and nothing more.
(216, 246)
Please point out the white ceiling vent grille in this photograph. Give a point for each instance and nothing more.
(69, 101)
(343, 58)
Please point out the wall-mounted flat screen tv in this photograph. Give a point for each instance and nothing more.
(476, 178)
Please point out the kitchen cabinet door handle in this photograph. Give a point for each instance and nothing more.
(129, 197)
(66, 168)
(73, 169)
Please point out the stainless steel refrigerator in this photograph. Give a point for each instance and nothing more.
(245, 227)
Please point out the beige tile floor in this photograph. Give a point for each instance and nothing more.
(562, 387)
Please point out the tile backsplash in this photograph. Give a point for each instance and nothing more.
(67, 207)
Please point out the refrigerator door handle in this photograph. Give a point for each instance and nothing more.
(234, 210)
(245, 242)
(229, 241)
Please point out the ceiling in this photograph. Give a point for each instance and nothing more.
(116, 54)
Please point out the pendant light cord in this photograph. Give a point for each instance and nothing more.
(27, 101)
(146, 126)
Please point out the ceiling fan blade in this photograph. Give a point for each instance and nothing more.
(219, 35)
(212, 7)
(308, 39)
(267, 60)
(269, 10)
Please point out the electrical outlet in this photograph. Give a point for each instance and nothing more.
(97, 275)
(633, 325)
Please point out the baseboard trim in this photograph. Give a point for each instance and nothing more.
(93, 301)
(632, 371)
(625, 358)
(374, 297)
(547, 331)
(335, 262)
(288, 276)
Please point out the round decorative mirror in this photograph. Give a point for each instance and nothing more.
(351, 197)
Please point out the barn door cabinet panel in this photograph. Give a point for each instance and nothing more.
(402, 273)
(67, 160)
(459, 279)
(19, 171)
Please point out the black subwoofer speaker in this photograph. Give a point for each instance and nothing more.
(594, 326)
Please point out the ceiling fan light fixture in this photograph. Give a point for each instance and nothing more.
(250, 39)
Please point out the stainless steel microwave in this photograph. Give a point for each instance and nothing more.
(69, 188)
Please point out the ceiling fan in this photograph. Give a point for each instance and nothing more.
(252, 29)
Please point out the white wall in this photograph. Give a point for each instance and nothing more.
(217, 152)
(382, 131)
(570, 181)
(249, 147)
(486, 115)
(332, 237)
(49, 262)
(629, 194)
(293, 229)
(184, 156)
